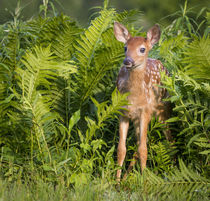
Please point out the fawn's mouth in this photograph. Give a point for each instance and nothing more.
(128, 66)
(132, 67)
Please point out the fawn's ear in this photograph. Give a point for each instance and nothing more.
(153, 35)
(121, 33)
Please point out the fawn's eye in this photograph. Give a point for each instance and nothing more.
(125, 48)
(142, 50)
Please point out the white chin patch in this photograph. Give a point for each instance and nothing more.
(129, 66)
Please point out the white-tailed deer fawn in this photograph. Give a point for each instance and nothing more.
(140, 76)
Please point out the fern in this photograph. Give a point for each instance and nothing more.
(191, 112)
(171, 50)
(98, 54)
(203, 143)
(90, 156)
(5, 82)
(88, 74)
(197, 59)
(11, 50)
(104, 112)
(161, 157)
(9, 61)
(182, 183)
(61, 33)
(35, 80)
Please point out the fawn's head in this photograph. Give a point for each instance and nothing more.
(136, 48)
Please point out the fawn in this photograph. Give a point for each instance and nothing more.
(140, 76)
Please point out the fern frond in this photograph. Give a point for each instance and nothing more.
(35, 80)
(61, 33)
(9, 61)
(162, 157)
(105, 112)
(171, 50)
(203, 143)
(11, 50)
(197, 59)
(5, 81)
(182, 183)
(86, 47)
(91, 38)
(130, 16)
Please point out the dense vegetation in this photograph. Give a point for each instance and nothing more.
(59, 110)
(82, 10)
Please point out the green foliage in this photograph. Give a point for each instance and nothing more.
(180, 184)
(59, 108)
(197, 59)
(88, 76)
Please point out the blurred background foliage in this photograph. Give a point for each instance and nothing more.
(155, 11)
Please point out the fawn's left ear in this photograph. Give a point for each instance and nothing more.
(153, 35)
(121, 33)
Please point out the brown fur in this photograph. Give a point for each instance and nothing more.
(143, 88)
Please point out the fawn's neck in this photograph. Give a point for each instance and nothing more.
(136, 80)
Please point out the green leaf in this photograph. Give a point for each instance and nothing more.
(73, 120)
(206, 152)
(8, 99)
(197, 59)
(173, 119)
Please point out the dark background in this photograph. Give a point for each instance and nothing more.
(154, 11)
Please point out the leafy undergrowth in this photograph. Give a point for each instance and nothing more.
(59, 110)
(182, 185)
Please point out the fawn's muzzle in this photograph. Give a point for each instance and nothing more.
(128, 62)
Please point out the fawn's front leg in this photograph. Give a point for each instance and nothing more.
(142, 138)
(121, 151)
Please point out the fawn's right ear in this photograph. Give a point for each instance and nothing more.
(153, 35)
(121, 33)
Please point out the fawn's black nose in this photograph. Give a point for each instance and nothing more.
(128, 61)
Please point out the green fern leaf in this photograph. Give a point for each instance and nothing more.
(182, 183)
(86, 47)
(197, 59)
